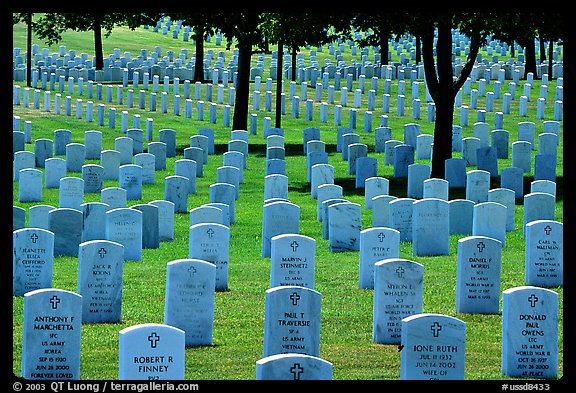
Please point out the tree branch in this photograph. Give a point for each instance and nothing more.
(467, 69)
(429, 67)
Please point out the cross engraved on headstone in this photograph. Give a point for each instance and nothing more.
(153, 338)
(54, 300)
(102, 252)
(294, 245)
(295, 297)
(296, 369)
(481, 246)
(210, 232)
(547, 229)
(381, 236)
(436, 327)
(192, 271)
(400, 271)
(533, 299)
(33, 237)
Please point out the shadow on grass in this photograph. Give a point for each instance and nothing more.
(398, 187)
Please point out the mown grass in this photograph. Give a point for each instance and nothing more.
(346, 316)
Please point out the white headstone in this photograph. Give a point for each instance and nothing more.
(151, 351)
(398, 293)
(530, 332)
(433, 347)
(51, 334)
(292, 321)
(189, 302)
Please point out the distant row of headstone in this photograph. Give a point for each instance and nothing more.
(433, 346)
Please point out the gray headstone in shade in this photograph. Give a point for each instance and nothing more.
(292, 321)
(293, 367)
(224, 193)
(380, 205)
(455, 172)
(433, 347)
(398, 293)
(325, 192)
(93, 143)
(32, 260)
(165, 219)
(71, 192)
(461, 216)
(530, 332)
(75, 156)
(151, 351)
(292, 260)
(110, 161)
(100, 272)
(403, 157)
(23, 160)
(158, 149)
(210, 242)
(275, 186)
(477, 185)
(130, 179)
(430, 227)
(513, 179)
(30, 185)
(168, 136)
(189, 302)
(206, 214)
(187, 168)
(148, 163)
(376, 244)
(62, 137)
(18, 217)
(507, 198)
(114, 197)
(124, 226)
(93, 176)
(400, 217)
(489, 219)
(374, 186)
(52, 325)
(478, 275)
(94, 220)
(124, 145)
(38, 216)
(150, 225)
(538, 206)
(176, 190)
(417, 173)
(487, 160)
(43, 149)
(55, 169)
(66, 224)
(225, 211)
(366, 167)
(544, 255)
(344, 226)
(278, 218)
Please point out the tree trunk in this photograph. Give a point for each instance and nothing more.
(384, 37)
(444, 100)
(542, 50)
(98, 52)
(418, 50)
(550, 58)
(29, 50)
(279, 73)
(530, 60)
(199, 64)
(293, 64)
(240, 121)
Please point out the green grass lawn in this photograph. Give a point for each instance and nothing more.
(346, 316)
